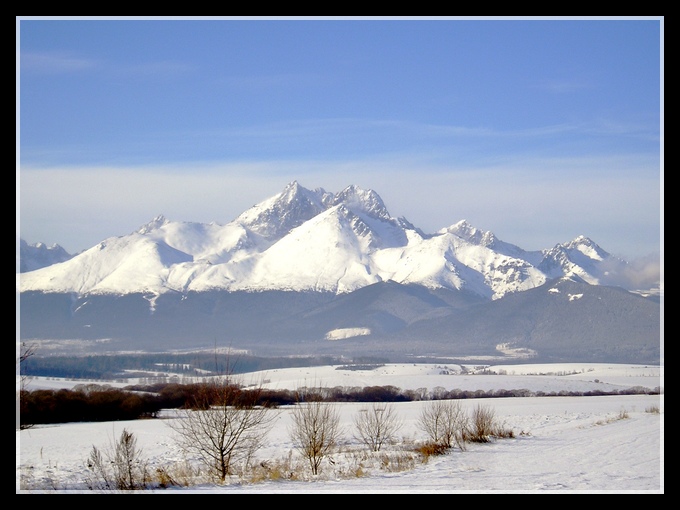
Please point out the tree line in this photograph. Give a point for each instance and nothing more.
(93, 402)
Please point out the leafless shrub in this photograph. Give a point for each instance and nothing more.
(182, 474)
(482, 424)
(122, 467)
(431, 448)
(484, 427)
(398, 461)
(445, 423)
(286, 468)
(377, 425)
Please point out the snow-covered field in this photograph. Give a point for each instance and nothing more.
(562, 443)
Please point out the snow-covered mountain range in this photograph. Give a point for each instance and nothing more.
(311, 272)
(313, 240)
(39, 255)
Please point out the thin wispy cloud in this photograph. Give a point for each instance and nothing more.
(565, 86)
(605, 126)
(274, 81)
(319, 127)
(377, 129)
(336, 139)
(160, 69)
(55, 62)
(63, 62)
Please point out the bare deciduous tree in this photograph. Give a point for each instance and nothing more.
(445, 423)
(315, 431)
(25, 352)
(377, 425)
(224, 427)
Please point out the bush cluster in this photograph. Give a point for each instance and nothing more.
(60, 406)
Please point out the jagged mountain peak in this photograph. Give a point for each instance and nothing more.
(487, 239)
(586, 246)
(580, 257)
(295, 204)
(286, 210)
(154, 224)
(294, 191)
(39, 255)
(580, 250)
(467, 231)
(40, 246)
(364, 200)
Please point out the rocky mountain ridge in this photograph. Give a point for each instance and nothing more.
(314, 240)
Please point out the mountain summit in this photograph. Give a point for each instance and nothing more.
(314, 240)
(276, 216)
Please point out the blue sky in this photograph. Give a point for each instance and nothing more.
(538, 130)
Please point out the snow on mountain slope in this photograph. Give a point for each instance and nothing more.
(109, 268)
(274, 217)
(325, 253)
(487, 239)
(203, 242)
(314, 240)
(366, 201)
(580, 257)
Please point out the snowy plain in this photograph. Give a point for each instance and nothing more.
(580, 444)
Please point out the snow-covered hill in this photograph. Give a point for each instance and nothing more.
(302, 240)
